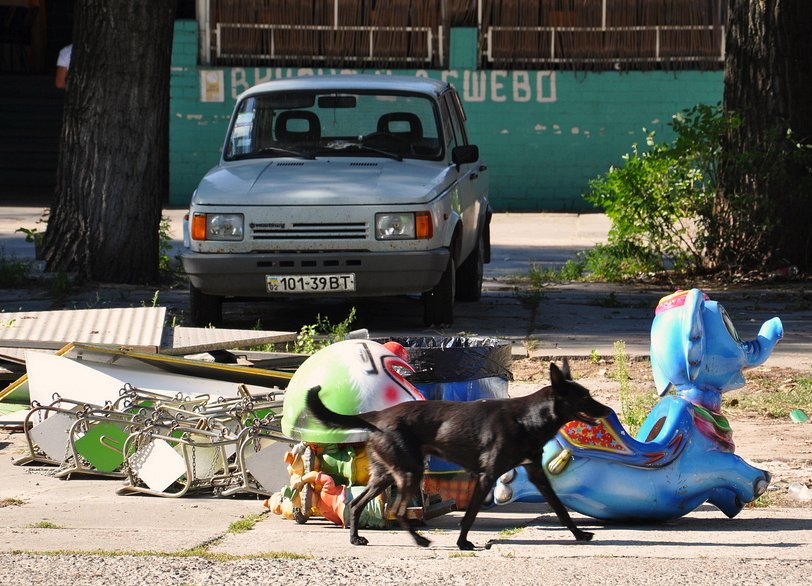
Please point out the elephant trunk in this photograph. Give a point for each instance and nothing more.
(758, 350)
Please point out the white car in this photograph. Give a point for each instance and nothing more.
(342, 186)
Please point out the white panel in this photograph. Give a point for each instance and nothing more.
(130, 326)
(158, 465)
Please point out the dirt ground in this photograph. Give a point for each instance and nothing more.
(778, 445)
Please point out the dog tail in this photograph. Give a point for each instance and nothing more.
(331, 418)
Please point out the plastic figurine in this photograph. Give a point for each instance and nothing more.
(683, 454)
(355, 376)
(329, 465)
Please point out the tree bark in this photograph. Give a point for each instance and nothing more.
(765, 180)
(113, 169)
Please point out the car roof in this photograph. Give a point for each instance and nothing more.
(352, 82)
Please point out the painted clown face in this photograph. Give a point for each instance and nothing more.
(355, 376)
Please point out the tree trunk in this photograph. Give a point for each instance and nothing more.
(765, 180)
(112, 176)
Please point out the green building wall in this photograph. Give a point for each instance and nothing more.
(544, 134)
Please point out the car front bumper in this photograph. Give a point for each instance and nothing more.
(376, 273)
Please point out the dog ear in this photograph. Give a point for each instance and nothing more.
(556, 376)
(565, 369)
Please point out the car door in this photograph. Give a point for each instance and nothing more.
(472, 182)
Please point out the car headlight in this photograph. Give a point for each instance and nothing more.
(403, 226)
(217, 226)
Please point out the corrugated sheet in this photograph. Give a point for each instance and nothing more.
(182, 340)
(140, 327)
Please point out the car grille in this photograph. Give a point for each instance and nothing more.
(309, 231)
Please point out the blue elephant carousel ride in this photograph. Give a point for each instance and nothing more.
(683, 455)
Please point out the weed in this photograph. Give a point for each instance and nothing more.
(60, 286)
(573, 269)
(635, 406)
(538, 276)
(611, 301)
(313, 337)
(154, 301)
(762, 502)
(164, 244)
(531, 344)
(11, 502)
(13, 272)
(462, 554)
(44, 525)
(774, 398)
(619, 261)
(594, 357)
(34, 235)
(270, 347)
(200, 551)
(245, 524)
(510, 532)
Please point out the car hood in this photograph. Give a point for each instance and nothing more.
(323, 182)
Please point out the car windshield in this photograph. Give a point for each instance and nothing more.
(309, 124)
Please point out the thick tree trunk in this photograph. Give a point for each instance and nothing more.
(765, 180)
(113, 168)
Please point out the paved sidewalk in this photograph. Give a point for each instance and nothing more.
(565, 319)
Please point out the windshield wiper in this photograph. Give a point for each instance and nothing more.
(279, 151)
(340, 145)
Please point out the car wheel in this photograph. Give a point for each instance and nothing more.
(438, 304)
(469, 275)
(204, 309)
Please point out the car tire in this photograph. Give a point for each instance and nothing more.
(438, 304)
(204, 309)
(469, 275)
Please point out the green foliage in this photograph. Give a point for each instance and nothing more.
(573, 270)
(539, 275)
(44, 525)
(164, 244)
(618, 261)
(245, 524)
(34, 235)
(634, 406)
(13, 272)
(774, 399)
(313, 337)
(661, 199)
(60, 286)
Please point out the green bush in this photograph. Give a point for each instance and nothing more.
(660, 200)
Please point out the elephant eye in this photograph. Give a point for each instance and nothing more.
(729, 324)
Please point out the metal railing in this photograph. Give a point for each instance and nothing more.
(658, 54)
(268, 48)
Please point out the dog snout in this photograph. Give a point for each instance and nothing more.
(593, 410)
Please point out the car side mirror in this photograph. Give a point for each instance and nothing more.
(464, 154)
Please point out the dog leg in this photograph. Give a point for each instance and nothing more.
(357, 505)
(407, 487)
(481, 488)
(536, 475)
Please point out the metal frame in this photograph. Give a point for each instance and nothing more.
(371, 30)
(551, 58)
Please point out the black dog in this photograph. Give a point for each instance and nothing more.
(487, 438)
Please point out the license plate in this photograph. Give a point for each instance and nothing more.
(310, 283)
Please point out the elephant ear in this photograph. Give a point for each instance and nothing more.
(694, 328)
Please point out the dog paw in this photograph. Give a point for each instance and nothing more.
(465, 545)
(358, 540)
(422, 541)
(583, 535)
